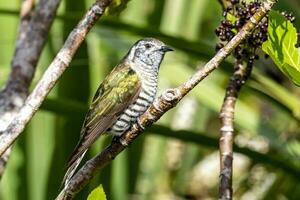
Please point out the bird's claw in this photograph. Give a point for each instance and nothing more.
(139, 123)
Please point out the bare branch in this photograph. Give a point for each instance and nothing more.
(32, 35)
(241, 74)
(30, 43)
(165, 102)
(52, 74)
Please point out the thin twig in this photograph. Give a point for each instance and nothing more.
(241, 74)
(165, 102)
(52, 74)
(32, 35)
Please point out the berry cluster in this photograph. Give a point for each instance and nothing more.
(289, 16)
(235, 18)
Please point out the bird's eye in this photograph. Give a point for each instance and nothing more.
(148, 46)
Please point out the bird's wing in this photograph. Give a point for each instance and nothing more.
(120, 88)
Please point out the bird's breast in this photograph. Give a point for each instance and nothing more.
(136, 109)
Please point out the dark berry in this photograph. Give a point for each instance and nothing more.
(234, 1)
(289, 16)
(243, 10)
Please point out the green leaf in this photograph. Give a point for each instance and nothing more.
(281, 46)
(97, 194)
(231, 17)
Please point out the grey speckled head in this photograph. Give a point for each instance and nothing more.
(149, 51)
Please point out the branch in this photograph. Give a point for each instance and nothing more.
(32, 35)
(240, 75)
(31, 38)
(5, 111)
(52, 74)
(165, 102)
(5, 94)
(67, 107)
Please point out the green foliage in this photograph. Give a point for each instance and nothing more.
(231, 18)
(281, 46)
(97, 194)
(167, 159)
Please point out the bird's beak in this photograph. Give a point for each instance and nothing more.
(166, 49)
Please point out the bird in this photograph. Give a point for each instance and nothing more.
(123, 96)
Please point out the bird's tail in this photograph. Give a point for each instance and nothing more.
(71, 169)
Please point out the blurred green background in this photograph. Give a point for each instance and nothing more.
(178, 157)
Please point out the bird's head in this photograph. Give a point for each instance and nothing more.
(149, 51)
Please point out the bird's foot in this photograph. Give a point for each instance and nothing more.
(140, 126)
(116, 139)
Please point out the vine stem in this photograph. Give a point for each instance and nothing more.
(165, 102)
